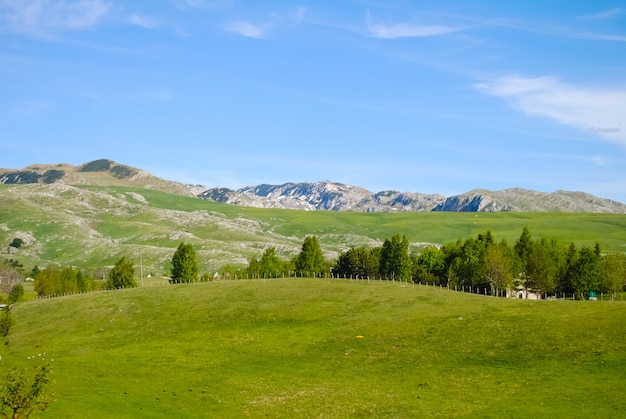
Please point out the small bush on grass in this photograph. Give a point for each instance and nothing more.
(21, 395)
(6, 321)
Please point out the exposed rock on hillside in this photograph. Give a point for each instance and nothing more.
(312, 196)
(340, 197)
(323, 196)
(101, 172)
(31, 175)
(119, 171)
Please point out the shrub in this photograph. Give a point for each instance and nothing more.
(6, 321)
(21, 395)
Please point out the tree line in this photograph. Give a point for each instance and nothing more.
(57, 280)
(541, 266)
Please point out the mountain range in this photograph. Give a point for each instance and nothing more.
(93, 214)
(315, 196)
(334, 196)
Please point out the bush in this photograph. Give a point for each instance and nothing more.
(6, 321)
(21, 395)
(16, 293)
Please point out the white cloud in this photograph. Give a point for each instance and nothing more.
(406, 30)
(247, 29)
(261, 31)
(42, 18)
(596, 110)
(604, 15)
(143, 21)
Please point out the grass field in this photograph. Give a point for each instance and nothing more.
(92, 227)
(323, 348)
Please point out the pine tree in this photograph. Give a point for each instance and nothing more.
(522, 247)
(184, 265)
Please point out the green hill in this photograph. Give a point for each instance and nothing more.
(93, 226)
(322, 348)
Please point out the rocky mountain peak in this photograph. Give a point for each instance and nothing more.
(335, 196)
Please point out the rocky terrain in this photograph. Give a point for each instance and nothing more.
(93, 214)
(96, 173)
(315, 196)
(339, 197)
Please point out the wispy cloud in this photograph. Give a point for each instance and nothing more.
(43, 18)
(596, 110)
(144, 21)
(205, 4)
(262, 30)
(406, 30)
(552, 30)
(247, 29)
(604, 15)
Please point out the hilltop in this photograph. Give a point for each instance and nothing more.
(316, 196)
(101, 172)
(322, 348)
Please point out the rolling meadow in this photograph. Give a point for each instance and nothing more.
(298, 347)
(322, 348)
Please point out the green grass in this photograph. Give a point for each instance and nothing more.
(434, 227)
(289, 348)
(91, 227)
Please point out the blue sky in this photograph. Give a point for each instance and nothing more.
(423, 96)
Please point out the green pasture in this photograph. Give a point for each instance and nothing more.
(322, 348)
(93, 227)
(432, 227)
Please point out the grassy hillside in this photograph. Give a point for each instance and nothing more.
(90, 226)
(323, 348)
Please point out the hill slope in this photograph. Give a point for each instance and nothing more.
(101, 172)
(91, 226)
(89, 216)
(321, 348)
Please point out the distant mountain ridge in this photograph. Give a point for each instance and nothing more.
(335, 196)
(316, 196)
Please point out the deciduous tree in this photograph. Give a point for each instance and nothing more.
(22, 394)
(122, 275)
(613, 272)
(467, 265)
(541, 268)
(358, 262)
(9, 278)
(430, 266)
(310, 260)
(270, 265)
(587, 272)
(395, 262)
(497, 267)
